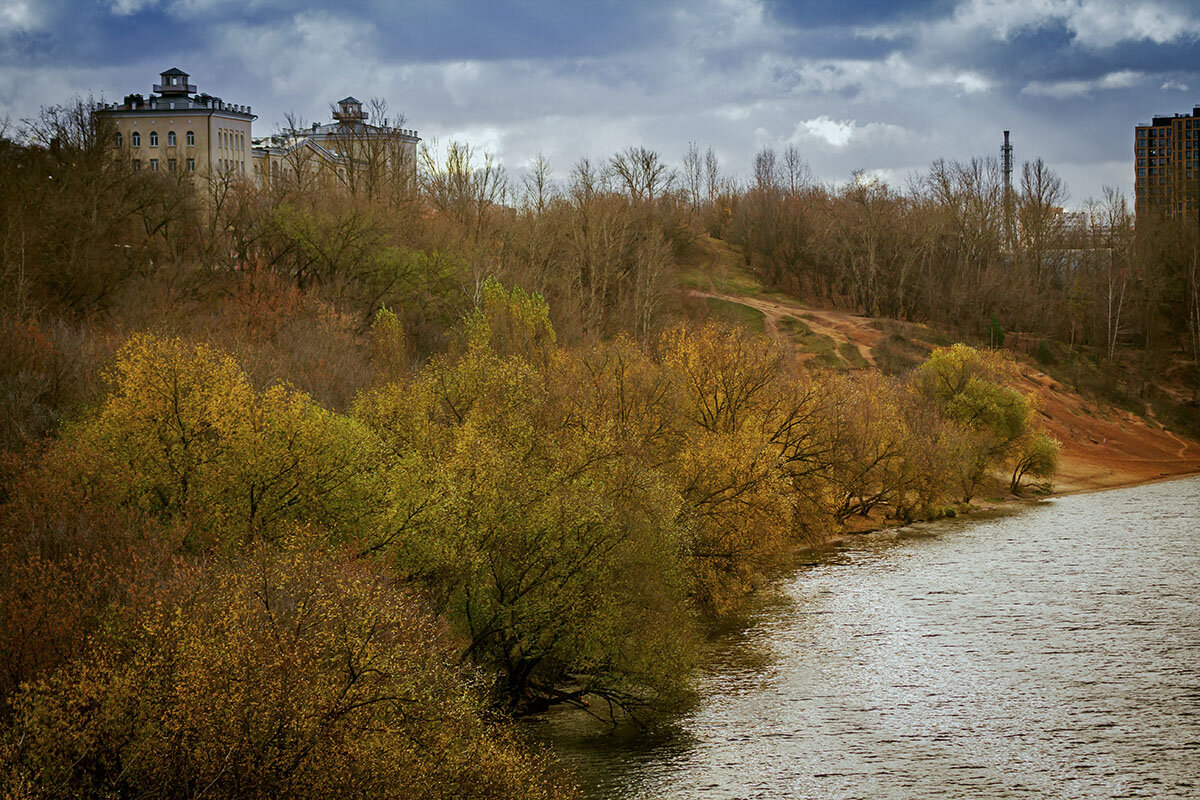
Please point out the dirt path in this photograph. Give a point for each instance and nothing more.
(837, 326)
(1102, 447)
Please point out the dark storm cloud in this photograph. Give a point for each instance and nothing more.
(883, 86)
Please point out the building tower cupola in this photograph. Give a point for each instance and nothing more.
(349, 111)
(174, 82)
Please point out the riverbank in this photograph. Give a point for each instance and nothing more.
(1013, 656)
(1123, 458)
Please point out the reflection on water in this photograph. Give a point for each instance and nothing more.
(1053, 652)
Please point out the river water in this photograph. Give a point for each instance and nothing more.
(1052, 652)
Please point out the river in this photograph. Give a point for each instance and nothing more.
(1053, 651)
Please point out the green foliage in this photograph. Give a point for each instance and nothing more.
(389, 346)
(736, 313)
(511, 323)
(995, 333)
(183, 433)
(551, 550)
(967, 387)
(1045, 353)
(1037, 457)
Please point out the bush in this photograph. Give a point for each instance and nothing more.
(284, 673)
(184, 434)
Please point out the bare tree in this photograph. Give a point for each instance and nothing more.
(693, 175)
(797, 173)
(379, 156)
(766, 170)
(642, 173)
(712, 174)
(539, 186)
(1039, 216)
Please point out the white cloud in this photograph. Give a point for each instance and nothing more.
(1174, 85)
(123, 8)
(883, 78)
(1104, 23)
(1095, 24)
(832, 132)
(1123, 79)
(824, 131)
(20, 16)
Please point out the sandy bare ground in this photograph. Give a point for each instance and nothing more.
(1102, 447)
(838, 326)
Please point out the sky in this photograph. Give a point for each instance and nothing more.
(884, 86)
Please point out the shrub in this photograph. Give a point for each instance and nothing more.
(287, 672)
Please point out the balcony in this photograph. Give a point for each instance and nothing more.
(179, 89)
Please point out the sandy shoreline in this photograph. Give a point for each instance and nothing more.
(862, 525)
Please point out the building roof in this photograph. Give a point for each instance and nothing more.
(350, 100)
(173, 71)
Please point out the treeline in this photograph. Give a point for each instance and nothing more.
(602, 240)
(954, 250)
(211, 585)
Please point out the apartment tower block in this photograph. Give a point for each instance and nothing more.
(1167, 166)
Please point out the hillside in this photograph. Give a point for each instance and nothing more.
(1102, 446)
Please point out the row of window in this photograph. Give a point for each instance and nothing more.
(230, 139)
(135, 139)
(1164, 138)
(1192, 174)
(171, 164)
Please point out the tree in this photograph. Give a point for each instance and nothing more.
(968, 387)
(281, 672)
(693, 176)
(1037, 457)
(642, 173)
(552, 552)
(184, 434)
(539, 185)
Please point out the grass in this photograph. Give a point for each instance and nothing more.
(896, 354)
(716, 267)
(810, 341)
(913, 331)
(852, 356)
(737, 313)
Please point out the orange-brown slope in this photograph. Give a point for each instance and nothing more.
(1107, 447)
(1103, 447)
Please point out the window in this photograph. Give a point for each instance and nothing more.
(137, 162)
(191, 139)
(1141, 171)
(154, 165)
(170, 165)
(170, 138)
(154, 138)
(191, 165)
(136, 139)
(1141, 162)
(120, 140)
